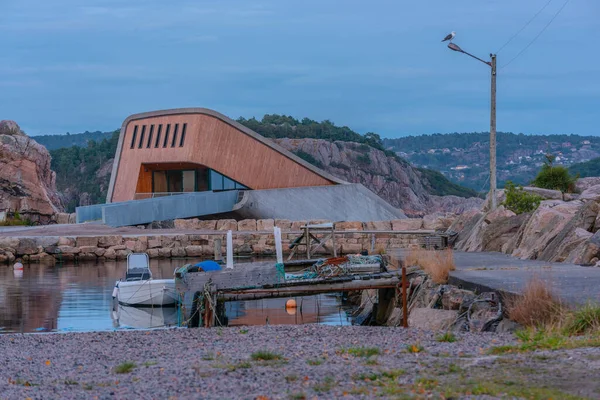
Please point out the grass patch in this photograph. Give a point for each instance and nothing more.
(372, 361)
(264, 355)
(125, 368)
(583, 320)
(436, 263)
(427, 383)
(326, 385)
(70, 382)
(316, 361)
(393, 373)
(447, 337)
(243, 331)
(149, 363)
(297, 396)
(88, 386)
(291, 378)
(414, 348)
(208, 356)
(363, 351)
(536, 306)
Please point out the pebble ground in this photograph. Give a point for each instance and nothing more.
(309, 361)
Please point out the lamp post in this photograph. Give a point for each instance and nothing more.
(492, 64)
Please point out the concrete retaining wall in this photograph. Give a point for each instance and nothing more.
(250, 237)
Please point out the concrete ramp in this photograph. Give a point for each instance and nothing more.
(138, 212)
(349, 202)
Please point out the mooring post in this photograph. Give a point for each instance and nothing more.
(404, 297)
(229, 250)
(218, 252)
(278, 248)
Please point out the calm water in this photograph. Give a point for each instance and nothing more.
(79, 298)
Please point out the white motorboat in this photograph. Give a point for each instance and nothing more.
(140, 289)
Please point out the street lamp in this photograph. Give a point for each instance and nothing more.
(492, 64)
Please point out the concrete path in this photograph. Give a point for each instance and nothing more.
(573, 283)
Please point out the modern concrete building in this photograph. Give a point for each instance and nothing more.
(196, 149)
(217, 166)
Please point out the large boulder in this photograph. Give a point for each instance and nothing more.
(572, 235)
(432, 319)
(546, 194)
(550, 218)
(586, 183)
(592, 193)
(27, 184)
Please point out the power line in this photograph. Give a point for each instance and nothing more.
(524, 26)
(538, 35)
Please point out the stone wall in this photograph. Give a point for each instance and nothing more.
(253, 237)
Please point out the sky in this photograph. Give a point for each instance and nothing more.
(378, 65)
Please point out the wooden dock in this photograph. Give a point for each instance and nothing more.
(261, 280)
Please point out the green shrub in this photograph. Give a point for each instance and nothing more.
(363, 159)
(555, 177)
(518, 200)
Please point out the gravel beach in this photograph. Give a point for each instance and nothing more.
(308, 361)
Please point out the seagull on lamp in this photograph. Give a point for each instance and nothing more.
(449, 37)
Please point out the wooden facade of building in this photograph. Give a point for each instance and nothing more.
(197, 149)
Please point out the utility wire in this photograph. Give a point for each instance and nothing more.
(537, 36)
(524, 26)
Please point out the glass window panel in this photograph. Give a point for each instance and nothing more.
(216, 180)
(159, 182)
(202, 180)
(135, 129)
(175, 135)
(189, 181)
(158, 135)
(167, 135)
(182, 135)
(228, 184)
(175, 181)
(142, 137)
(150, 136)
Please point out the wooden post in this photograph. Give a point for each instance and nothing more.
(307, 237)
(333, 240)
(404, 298)
(218, 252)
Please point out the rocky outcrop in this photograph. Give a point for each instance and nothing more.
(558, 230)
(27, 184)
(391, 178)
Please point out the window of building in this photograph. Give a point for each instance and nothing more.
(142, 136)
(150, 134)
(158, 135)
(175, 135)
(220, 182)
(135, 129)
(182, 135)
(194, 180)
(167, 135)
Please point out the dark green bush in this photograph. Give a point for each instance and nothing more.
(518, 200)
(555, 177)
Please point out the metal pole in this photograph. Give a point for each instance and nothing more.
(404, 297)
(493, 136)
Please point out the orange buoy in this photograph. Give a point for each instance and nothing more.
(291, 303)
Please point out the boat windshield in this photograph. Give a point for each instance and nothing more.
(138, 267)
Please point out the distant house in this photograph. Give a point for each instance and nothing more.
(586, 142)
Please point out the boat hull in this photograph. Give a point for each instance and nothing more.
(150, 293)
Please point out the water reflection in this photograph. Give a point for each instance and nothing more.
(79, 298)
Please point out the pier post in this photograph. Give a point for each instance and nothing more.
(218, 253)
(229, 250)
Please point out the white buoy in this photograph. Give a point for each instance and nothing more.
(278, 248)
(18, 266)
(229, 250)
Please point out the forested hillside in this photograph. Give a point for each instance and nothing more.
(83, 172)
(53, 142)
(585, 169)
(464, 157)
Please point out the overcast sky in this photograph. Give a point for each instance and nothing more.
(76, 65)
